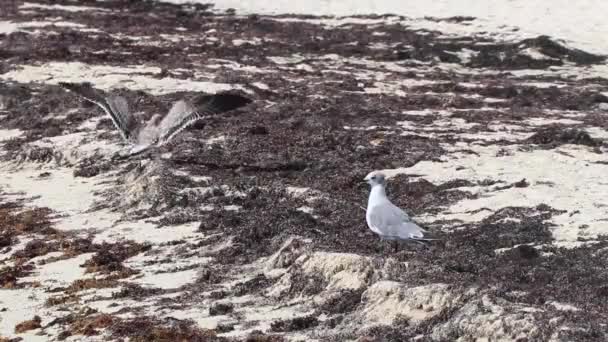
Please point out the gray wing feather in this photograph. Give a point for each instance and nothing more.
(180, 116)
(115, 106)
(183, 113)
(120, 106)
(392, 222)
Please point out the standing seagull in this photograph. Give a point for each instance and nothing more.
(156, 132)
(386, 219)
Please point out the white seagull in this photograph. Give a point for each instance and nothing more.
(156, 131)
(386, 219)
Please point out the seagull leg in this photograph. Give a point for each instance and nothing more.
(387, 251)
(383, 242)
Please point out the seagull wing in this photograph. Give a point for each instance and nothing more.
(115, 106)
(390, 221)
(180, 116)
(184, 114)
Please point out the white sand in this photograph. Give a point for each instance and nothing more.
(7, 134)
(169, 280)
(559, 186)
(143, 231)
(67, 8)
(57, 191)
(388, 300)
(22, 305)
(59, 273)
(557, 178)
(580, 23)
(7, 27)
(106, 77)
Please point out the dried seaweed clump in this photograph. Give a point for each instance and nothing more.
(31, 324)
(109, 258)
(9, 275)
(148, 329)
(554, 136)
(90, 325)
(294, 324)
(27, 221)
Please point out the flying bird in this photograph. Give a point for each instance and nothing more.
(386, 219)
(157, 131)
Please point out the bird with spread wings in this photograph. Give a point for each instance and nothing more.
(155, 132)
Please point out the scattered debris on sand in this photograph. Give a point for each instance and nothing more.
(249, 227)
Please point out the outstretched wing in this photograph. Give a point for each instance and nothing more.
(183, 114)
(391, 222)
(115, 106)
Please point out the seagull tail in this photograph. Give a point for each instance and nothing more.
(420, 236)
(423, 241)
(219, 103)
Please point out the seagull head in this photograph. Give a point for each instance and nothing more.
(375, 178)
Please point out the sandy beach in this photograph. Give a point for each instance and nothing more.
(489, 119)
(580, 23)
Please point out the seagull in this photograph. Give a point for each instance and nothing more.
(386, 219)
(157, 131)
